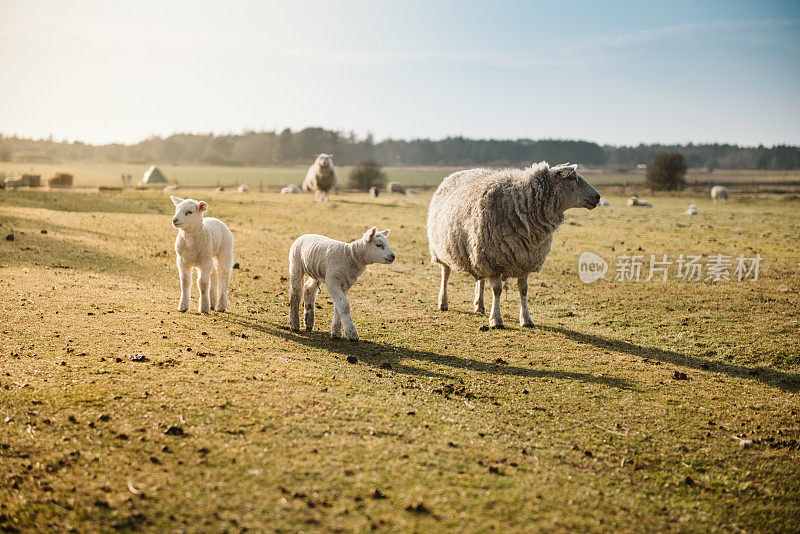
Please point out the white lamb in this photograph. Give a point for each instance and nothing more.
(291, 189)
(205, 244)
(604, 202)
(321, 177)
(336, 264)
(244, 188)
(691, 211)
(634, 201)
(719, 192)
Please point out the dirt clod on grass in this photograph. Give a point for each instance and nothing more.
(352, 359)
(175, 431)
(679, 375)
(138, 358)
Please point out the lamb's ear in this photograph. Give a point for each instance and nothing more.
(385, 233)
(369, 234)
(175, 200)
(202, 206)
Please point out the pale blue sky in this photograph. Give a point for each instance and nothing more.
(611, 72)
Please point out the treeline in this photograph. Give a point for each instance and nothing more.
(300, 147)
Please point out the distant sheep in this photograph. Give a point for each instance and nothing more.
(321, 177)
(719, 192)
(206, 244)
(374, 192)
(171, 187)
(291, 189)
(691, 211)
(634, 201)
(336, 264)
(497, 224)
(604, 202)
(396, 187)
(244, 188)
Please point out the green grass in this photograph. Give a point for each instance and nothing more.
(582, 428)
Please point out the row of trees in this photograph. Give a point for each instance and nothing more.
(299, 147)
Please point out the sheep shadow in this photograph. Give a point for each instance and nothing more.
(789, 382)
(378, 354)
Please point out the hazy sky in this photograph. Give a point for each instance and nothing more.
(611, 72)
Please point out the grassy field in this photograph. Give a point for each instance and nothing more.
(231, 422)
(94, 174)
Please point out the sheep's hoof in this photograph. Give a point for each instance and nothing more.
(221, 310)
(294, 328)
(497, 327)
(527, 325)
(480, 309)
(182, 310)
(309, 328)
(444, 307)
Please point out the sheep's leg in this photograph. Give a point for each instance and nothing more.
(496, 319)
(478, 303)
(204, 285)
(295, 287)
(213, 292)
(185, 277)
(310, 290)
(443, 289)
(224, 270)
(524, 315)
(341, 310)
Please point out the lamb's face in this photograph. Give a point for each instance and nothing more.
(324, 160)
(378, 249)
(574, 191)
(188, 213)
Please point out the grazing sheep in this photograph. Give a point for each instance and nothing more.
(321, 177)
(291, 189)
(374, 192)
(396, 187)
(691, 211)
(206, 244)
(604, 202)
(244, 188)
(719, 192)
(171, 187)
(634, 201)
(336, 264)
(496, 224)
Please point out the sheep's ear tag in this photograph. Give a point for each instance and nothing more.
(202, 206)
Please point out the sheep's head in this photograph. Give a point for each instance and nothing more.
(325, 160)
(188, 213)
(377, 246)
(572, 189)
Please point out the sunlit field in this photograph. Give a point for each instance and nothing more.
(89, 174)
(631, 405)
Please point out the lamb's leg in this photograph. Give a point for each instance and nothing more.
(496, 319)
(224, 270)
(185, 277)
(478, 303)
(213, 292)
(295, 288)
(443, 289)
(310, 290)
(204, 285)
(524, 315)
(341, 308)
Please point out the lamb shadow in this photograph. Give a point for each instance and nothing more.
(789, 382)
(376, 354)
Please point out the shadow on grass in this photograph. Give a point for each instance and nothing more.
(786, 381)
(376, 354)
(91, 201)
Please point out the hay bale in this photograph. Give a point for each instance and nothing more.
(32, 180)
(60, 179)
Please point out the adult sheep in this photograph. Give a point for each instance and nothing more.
(719, 192)
(321, 177)
(396, 187)
(498, 224)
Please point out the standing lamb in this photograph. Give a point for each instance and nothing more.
(496, 224)
(374, 192)
(719, 192)
(321, 177)
(336, 264)
(206, 244)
